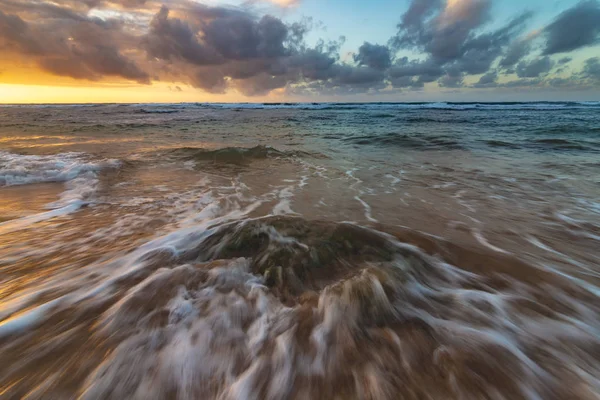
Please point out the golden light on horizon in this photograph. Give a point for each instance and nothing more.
(19, 93)
(155, 93)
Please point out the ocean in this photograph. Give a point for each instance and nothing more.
(300, 251)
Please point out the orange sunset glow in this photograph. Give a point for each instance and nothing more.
(268, 50)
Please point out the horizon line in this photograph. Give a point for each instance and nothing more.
(304, 102)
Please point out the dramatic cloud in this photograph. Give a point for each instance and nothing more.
(68, 43)
(403, 72)
(15, 34)
(450, 34)
(218, 49)
(592, 68)
(479, 52)
(439, 28)
(374, 56)
(565, 60)
(488, 80)
(575, 28)
(515, 53)
(534, 68)
(452, 79)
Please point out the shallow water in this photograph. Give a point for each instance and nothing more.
(300, 251)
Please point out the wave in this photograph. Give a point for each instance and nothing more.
(419, 120)
(566, 130)
(553, 144)
(554, 141)
(236, 155)
(409, 142)
(382, 115)
(561, 144)
(19, 169)
(157, 111)
(79, 174)
(501, 143)
(453, 106)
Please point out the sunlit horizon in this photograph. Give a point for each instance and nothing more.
(299, 51)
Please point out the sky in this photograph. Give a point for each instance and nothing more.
(76, 51)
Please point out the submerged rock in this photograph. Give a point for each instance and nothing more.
(296, 255)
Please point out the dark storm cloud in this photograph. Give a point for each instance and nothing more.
(412, 28)
(374, 56)
(575, 28)
(534, 68)
(453, 79)
(232, 48)
(211, 80)
(261, 84)
(349, 75)
(479, 52)
(94, 62)
(238, 37)
(403, 72)
(313, 64)
(515, 53)
(565, 60)
(70, 44)
(406, 82)
(431, 27)
(15, 33)
(453, 41)
(173, 38)
(592, 68)
(488, 80)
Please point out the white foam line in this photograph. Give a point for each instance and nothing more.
(467, 206)
(303, 181)
(21, 223)
(583, 284)
(562, 256)
(26, 320)
(587, 235)
(193, 230)
(542, 246)
(285, 199)
(479, 236)
(367, 209)
(350, 174)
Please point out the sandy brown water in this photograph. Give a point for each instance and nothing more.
(297, 253)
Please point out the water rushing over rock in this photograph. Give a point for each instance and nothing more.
(296, 252)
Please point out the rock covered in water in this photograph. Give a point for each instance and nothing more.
(299, 255)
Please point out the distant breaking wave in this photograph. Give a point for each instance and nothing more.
(236, 155)
(408, 141)
(419, 105)
(166, 108)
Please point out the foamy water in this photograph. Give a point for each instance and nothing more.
(300, 251)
